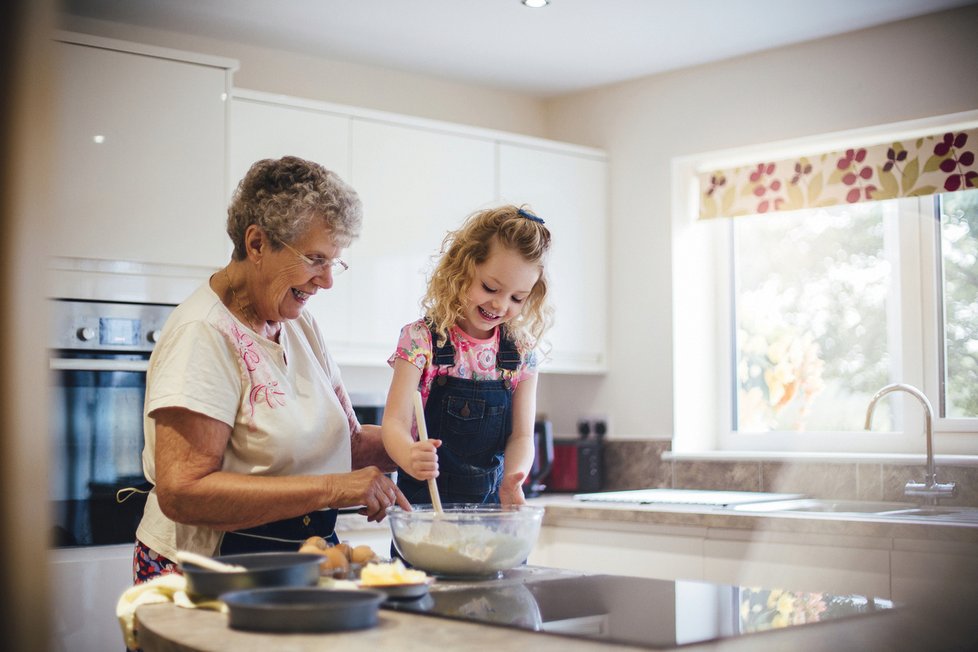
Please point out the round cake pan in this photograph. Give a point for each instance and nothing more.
(302, 609)
(262, 570)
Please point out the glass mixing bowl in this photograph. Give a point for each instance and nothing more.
(465, 540)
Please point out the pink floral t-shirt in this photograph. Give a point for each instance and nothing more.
(475, 359)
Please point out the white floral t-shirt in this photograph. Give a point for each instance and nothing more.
(285, 403)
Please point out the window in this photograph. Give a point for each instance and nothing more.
(818, 311)
(959, 296)
(787, 323)
(812, 307)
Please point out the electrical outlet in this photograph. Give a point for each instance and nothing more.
(593, 427)
(600, 425)
(584, 428)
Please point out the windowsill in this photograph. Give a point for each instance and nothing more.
(830, 458)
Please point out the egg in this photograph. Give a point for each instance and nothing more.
(362, 555)
(335, 562)
(344, 548)
(311, 549)
(318, 542)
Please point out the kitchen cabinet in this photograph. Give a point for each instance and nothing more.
(262, 128)
(140, 142)
(85, 586)
(941, 571)
(416, 185)
(841, 565)
(670, 555)
(845, 565)
(889, 559)
(569, 191)
(418, 179)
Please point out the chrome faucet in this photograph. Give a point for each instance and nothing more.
(930, 489)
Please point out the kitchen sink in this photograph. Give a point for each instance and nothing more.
(826, 505)
(865, 509)
(967, 515)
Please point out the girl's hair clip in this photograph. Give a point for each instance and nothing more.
(530, 216)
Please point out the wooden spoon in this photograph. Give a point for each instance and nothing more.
(184, 557)
(423, 436)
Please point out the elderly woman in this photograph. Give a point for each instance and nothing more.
(251, 440)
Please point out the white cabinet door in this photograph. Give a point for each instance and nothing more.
(261, 129)
(416, 184)
(139, 169)
(85, 585)
(569, 191)
(418, 180)
(833, 568)
(604, 550)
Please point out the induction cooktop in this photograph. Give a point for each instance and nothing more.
(637, 611)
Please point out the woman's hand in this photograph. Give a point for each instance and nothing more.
(511, 489)
(423, 463)
(368, 487)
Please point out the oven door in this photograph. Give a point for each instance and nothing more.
(97, 430)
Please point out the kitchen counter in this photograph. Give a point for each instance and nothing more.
(168, 628)
(927, 617)
(563, 509)
(885, 557)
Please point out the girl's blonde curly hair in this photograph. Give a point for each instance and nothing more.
(514, 228)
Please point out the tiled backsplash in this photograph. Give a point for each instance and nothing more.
(639, 465)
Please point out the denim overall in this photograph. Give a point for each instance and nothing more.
(281, 536)
(473, 418)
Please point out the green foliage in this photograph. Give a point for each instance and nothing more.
(959, 246)
(819, 272)
(822, 276)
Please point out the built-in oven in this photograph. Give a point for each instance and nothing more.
(99, 355)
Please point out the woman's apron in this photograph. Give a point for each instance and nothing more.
(281, 536)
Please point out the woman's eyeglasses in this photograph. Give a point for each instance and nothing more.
(320, 264)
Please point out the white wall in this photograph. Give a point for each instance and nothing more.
(911, 69)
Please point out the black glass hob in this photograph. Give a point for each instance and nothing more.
(637, 611)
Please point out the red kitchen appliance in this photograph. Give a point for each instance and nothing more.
(577, 466)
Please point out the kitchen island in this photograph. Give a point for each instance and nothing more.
(686, 573)
(168, 628)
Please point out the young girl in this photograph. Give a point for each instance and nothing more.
(472, 358)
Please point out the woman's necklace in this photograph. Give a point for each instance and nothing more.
(244, 313)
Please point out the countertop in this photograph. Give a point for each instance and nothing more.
(563, 509)
(934, 623)
(168, 628)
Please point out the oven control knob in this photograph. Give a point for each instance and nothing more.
(86, 334)
(153, 336)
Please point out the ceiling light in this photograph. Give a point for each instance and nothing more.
(536, 4)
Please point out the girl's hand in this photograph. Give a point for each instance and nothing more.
(511, 489)
(424, 459)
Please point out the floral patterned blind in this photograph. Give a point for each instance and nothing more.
(943, 162)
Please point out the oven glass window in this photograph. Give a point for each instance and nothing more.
(97, 430)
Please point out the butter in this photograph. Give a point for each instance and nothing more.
(393, 573)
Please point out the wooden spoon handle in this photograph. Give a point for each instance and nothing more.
(184, 557)
(423, 436)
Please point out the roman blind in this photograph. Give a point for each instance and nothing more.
(941, 162)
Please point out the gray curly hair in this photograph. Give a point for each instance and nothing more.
(288, 196)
